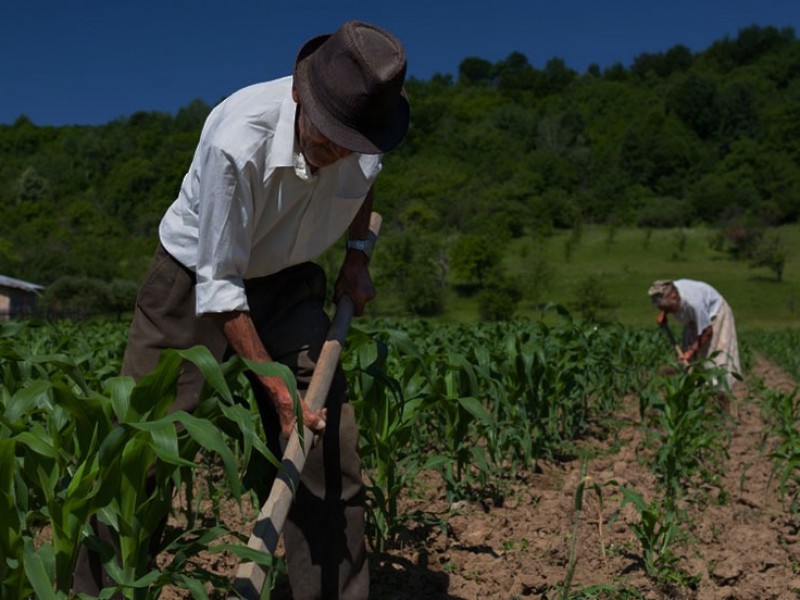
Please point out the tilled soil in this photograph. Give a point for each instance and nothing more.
(737, 543)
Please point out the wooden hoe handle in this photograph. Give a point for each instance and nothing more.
(671, 336)
(250, 577)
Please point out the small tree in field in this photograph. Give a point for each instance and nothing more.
(412, 265)
(747, 240)
(119, 296)
(591, 298)
(771, 253)
(498, 301)
(739, 238)
(474, 257)
(422, 293)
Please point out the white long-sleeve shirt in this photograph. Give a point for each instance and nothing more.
(700, 303)
(249, 206)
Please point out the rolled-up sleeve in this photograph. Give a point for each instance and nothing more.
(224, 234)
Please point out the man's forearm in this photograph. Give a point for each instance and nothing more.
(241, 334)
(704, 337)
(239, 330)
(354, 279)
(359, 226)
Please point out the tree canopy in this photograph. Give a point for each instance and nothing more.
(501, 150)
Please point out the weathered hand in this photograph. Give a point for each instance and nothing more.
(315, 421)
(284, 405)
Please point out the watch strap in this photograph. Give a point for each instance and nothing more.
(365, 246)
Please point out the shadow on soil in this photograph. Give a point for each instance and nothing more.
(395, 578)
(392, 578)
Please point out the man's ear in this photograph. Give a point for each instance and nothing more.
(295, 95)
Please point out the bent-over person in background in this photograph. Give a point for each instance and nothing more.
(283, 170)
(709, 329)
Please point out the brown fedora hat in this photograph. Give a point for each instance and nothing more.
(350, 83)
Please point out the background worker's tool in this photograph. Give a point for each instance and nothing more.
(675, 344)
(267, 530)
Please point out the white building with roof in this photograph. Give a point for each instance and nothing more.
(17, 297)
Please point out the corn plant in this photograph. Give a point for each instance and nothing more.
(657, 529)
(441, 385)
(781, 411)
(71, 455)
(583, 482)
(688, 422)
(387, 416)
(492, 398)
(475, 402)
(451, 398)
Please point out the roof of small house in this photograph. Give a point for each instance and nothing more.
(19, 284)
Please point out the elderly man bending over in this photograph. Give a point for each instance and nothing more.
(708, 326)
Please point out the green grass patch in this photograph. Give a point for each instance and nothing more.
(624, 261)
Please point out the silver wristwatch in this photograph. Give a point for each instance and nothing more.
(364, 246)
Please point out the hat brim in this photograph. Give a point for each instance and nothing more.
(377, 141)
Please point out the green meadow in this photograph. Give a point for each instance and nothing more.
(617, 265)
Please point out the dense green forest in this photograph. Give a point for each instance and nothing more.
(498, 151)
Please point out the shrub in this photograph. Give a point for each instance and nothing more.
(665, 213)
(499, 299)
(591, 298)
(422, 293)
(474, 257)
(770, 253)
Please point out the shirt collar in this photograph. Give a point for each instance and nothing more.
(282, 151)
(302, 168)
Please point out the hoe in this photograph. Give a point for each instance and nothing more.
(267, 530)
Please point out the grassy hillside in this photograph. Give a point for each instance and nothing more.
(623, 263)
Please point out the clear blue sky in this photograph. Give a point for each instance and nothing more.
(90, 61)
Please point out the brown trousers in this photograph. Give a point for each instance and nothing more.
(324, 532)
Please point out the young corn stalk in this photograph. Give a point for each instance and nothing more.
(585, 480)
(657, 529)
(71, 456)
(781, 411)
(387, 412)
(690, 429)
